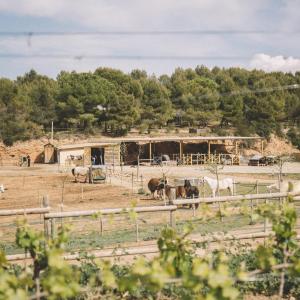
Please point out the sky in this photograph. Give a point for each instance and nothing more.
(261, 34)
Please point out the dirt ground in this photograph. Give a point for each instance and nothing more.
(25, 188)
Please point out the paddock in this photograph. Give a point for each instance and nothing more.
(119, 196)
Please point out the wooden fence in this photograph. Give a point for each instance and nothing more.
(50, 217)
(234, 198)
(203, 158)
(25, 211)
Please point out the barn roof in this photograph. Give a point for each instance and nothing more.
(178, 139)
(139, 139)
(82, 145)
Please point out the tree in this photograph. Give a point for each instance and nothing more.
(155, 104)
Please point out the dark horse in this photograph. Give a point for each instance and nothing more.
(191, 191)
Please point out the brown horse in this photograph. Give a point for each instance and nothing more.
(156, 185)
(191, 191)
(179, 190)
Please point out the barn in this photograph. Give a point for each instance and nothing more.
(133, 150)
(87, 154)
(188, 150)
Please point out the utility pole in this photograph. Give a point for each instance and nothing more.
(52, 132)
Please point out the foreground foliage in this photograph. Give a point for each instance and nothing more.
(176, 273)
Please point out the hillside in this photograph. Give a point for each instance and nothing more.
(10, 155)
(111, 102)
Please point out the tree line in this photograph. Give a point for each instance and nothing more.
(248, 102)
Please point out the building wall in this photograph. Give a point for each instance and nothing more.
(65, 153)
(112, 155)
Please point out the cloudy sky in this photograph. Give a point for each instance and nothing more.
(263, 34)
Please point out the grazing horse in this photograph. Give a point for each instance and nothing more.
(285, 186)
(156, 185)
(80, 171)
(1, 188)
(226, 183)
(179, 190)
(191, 191)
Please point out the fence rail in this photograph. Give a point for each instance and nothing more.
(234, 198)
(109, 211)
(149, 249)
(24, 211)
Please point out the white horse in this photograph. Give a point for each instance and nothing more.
(224, 184)
(2, 188)
(285, 186)
(80, 171)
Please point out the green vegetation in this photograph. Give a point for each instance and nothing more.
(175, 273)
(112, 102)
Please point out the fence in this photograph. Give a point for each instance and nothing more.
(202, 158)
(50, 217)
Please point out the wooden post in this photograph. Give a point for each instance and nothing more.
(236, 147)
(208, 150)
(265, 222)
(132, 183)
(90, 175)
(138, 166)
(113, 159)
(150, 152)
(251, 211)
(256, 188)
(220, 211)
(172, 218)
(52, 228)
(101, 226)
(137, 229)
(234, 188)
(46, 204)
(180, 150)
(194, 210)
(142, 182)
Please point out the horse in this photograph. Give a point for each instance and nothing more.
(226, 183)
(80, 171)
(191, 191)
(156, 185)
(2, 188)
(285, 186)
(179, 191)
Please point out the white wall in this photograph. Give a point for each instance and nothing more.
(63, 154)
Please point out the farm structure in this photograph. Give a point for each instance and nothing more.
(131, 151)
(89, 154)
(184, 150)
(49, 154)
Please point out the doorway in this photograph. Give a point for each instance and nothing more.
(97, 156)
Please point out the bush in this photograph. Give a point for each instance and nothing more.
(294, 137)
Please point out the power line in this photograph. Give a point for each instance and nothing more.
(148, 32)
(122, 57)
